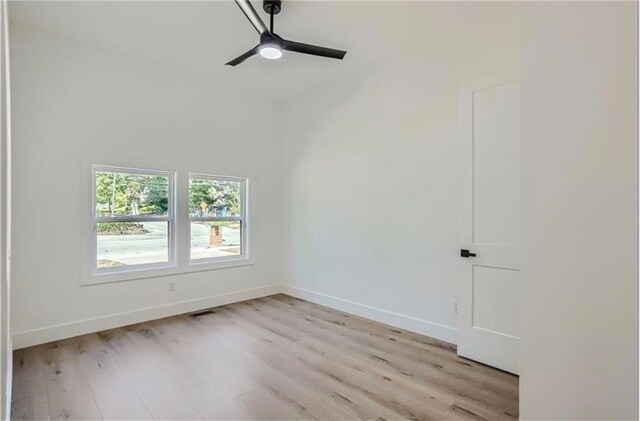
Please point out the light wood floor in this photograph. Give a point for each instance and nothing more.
(276, 358)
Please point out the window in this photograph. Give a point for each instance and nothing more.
(217, 214)
(133, 219)
(149, 223)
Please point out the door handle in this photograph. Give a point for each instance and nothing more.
(466, 253)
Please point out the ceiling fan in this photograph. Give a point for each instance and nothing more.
(271, 44)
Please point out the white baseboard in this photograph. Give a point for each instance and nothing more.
(82, 327)
(402, 321)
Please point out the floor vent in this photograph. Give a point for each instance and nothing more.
(202, 313)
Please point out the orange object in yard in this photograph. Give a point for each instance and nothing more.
(215, 235)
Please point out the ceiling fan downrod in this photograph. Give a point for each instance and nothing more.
(272, 7)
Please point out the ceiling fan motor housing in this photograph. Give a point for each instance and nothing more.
(270, 39)
(272, 6)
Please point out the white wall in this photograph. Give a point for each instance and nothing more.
(74, 104)
(578, 134)
(6, 354)
(371, 190)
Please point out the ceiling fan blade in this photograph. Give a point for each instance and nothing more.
(250, 13)
(314, 50)
(240, 59)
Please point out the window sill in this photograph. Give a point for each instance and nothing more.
(160, 272)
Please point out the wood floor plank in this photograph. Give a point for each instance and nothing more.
(30, 408)
(28, 372)
(423, 366)
(212, 403)
(271, 375)
(268, 404)
(368, 373)
(214, 358)
(358, 376)
(114, 395)
(68, 393)
(328, 409)
(142, 356)
(307, 370)
(28, 389)
(273, 358)
(415, 346)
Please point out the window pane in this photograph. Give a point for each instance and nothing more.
(215, 198)
(132, 243)
(119, 193)
(215, 239)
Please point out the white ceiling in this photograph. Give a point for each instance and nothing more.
(196, 38)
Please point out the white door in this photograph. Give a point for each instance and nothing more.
(488, 319)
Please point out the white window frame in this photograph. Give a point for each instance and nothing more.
(169, 218)
(179, 229)
(243, 219)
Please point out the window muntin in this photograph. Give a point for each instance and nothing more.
(133, 219)
(217, 214)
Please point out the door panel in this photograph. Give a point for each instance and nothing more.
(494, 307)
(496, 195)
(488, 320)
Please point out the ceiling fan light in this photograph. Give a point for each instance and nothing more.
(271, 52)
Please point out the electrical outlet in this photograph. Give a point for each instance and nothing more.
(454, 307)
(172, 286)
(313, 276)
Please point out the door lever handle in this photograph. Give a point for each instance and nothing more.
(466, 253)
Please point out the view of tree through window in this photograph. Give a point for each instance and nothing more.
(131, 194)
(132, 218)
(216, 213)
